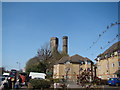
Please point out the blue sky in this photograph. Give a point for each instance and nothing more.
(28, 26)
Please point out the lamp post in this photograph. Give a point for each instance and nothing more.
(18, 64)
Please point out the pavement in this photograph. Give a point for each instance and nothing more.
(107, 87)
(73, 85)
(24, 87)
(103, 87)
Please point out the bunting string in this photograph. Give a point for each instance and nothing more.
(103, 32)
(109, 42)
(117, 36)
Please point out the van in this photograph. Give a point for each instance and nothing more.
(35, 75)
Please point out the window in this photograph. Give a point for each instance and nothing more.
(112, 54)
(98, 58)
(67, 62)
(88, 69)
(113, 65)
(119, 63)
(89, 62)
(114, 76)
(81, 69)
(115, 53)
(100, 77)
(118, 52)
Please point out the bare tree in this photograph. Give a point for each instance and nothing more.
(44, 53)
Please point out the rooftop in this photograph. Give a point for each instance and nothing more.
(111, 49)
(73, 59)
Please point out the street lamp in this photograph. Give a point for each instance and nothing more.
(18, 64)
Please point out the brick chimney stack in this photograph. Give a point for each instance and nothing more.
(54, 44)
(65, 45)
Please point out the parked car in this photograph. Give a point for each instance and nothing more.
(6, 75)
(114, 81)
(38, 78)
(34, 75)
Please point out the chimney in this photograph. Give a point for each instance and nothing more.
(65, 45)
(54, 44)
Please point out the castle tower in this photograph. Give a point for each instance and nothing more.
(54, 44)
(65, 45)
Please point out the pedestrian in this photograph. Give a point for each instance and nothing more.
(9, 83)
(17, 84)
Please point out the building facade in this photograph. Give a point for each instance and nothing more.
(72, 67)
(108, 63)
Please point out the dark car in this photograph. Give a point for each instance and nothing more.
(114, 81)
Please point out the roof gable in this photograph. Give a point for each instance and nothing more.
(73, 59)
